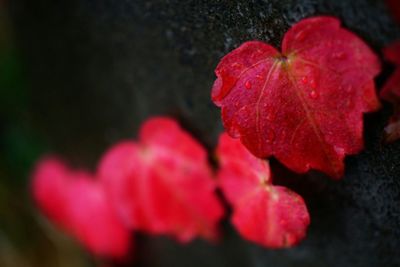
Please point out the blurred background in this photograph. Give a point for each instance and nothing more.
(26, 239)
(77, 76)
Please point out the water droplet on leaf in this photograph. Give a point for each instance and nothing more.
(339, 55)
(339, 150)
(234, 131)
(313, 84)
(300, 36)
(313, 94)
(270, 137)
(271, 117)
(236, 65)
(247, 85)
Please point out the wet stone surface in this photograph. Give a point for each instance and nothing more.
(98, 68)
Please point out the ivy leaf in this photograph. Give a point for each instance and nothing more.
(77, 203)
(163, 184)
(305, 105)
(272, 216)
(49, 181)
(394, 8)
(391, 92)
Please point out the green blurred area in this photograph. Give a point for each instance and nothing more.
(26, 238)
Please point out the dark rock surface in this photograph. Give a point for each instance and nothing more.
(98, 68)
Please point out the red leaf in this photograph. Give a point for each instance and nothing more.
(305, 105)
(49, 181)
(78, 204)
(392, 53)
(391, 92)
(394, 8)
(95, 222)
(272, 216)
(163, 184)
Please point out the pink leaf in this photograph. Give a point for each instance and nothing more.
(163, 184)
(49, 182)
(272, 216)
(78, 204)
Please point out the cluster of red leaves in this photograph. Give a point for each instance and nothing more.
(161, 185)
(305, 105)
(391, 92)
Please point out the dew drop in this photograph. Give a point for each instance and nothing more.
(259, 77)
(300, 36)
(297, 145)
(304, 80)
(245, 111)
(247, 85)
(313, 94)
(339, 55)
(234, 131)
(313, 84)
(270, 137)
(259, 51)
(339, 150)
(271, 117)
(236, 65)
